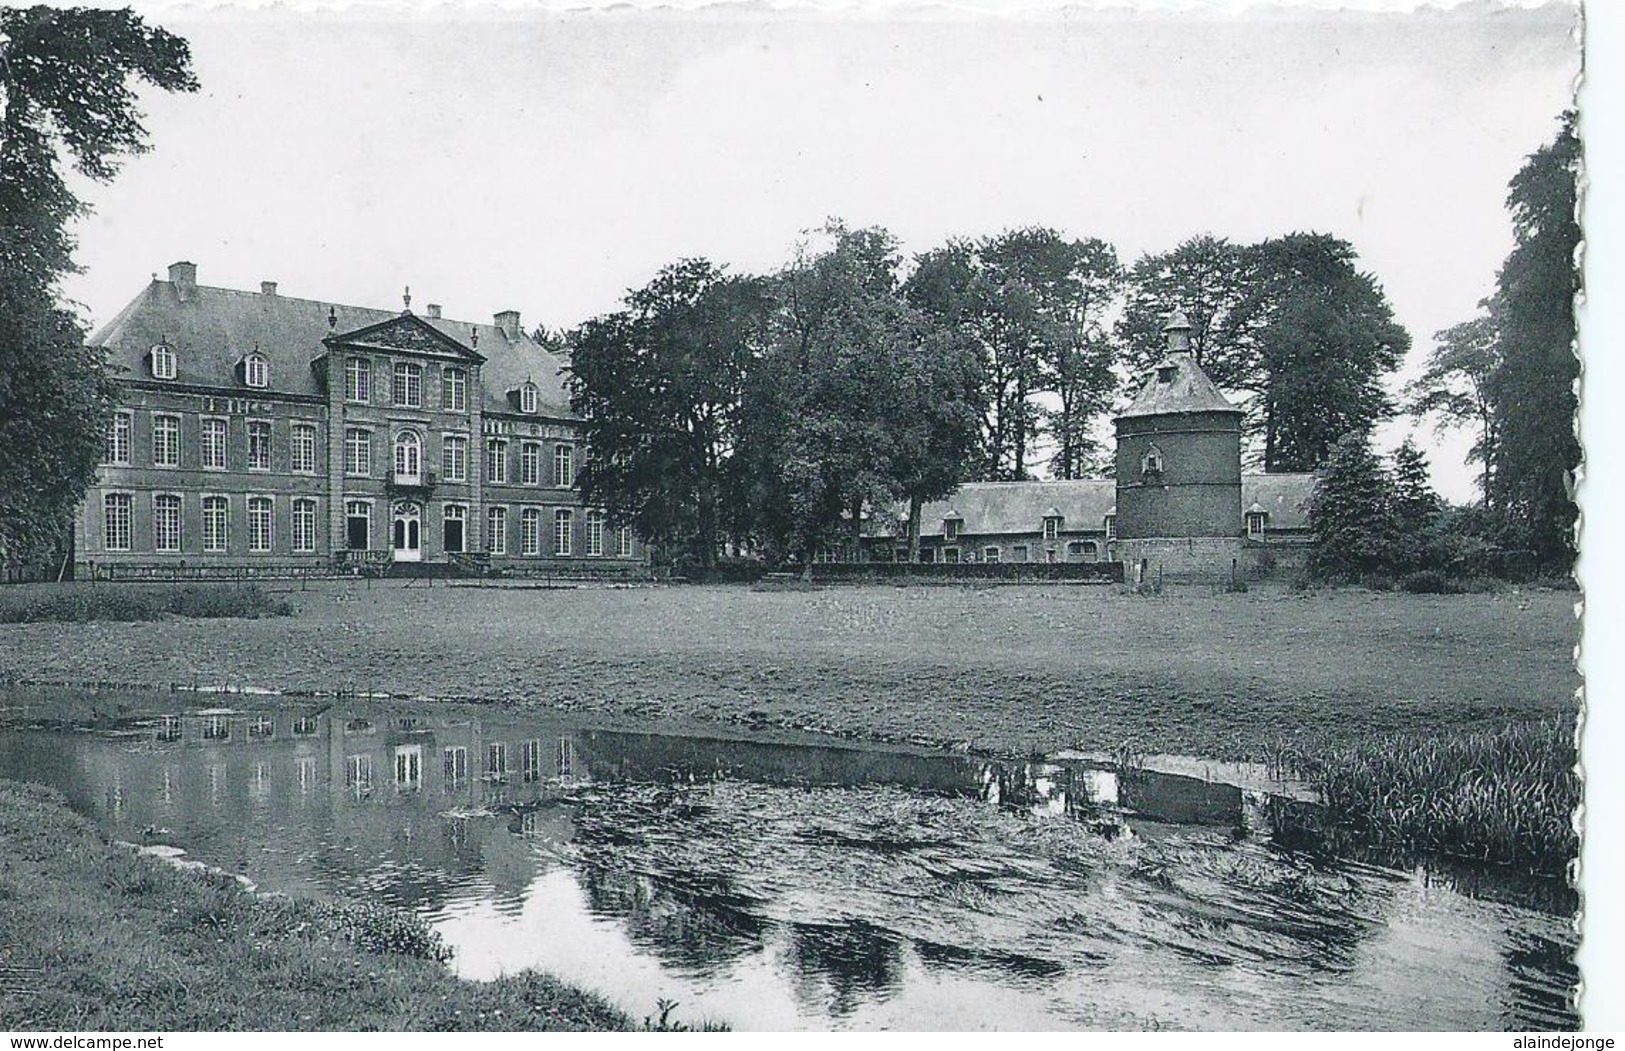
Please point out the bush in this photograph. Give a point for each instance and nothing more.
(1429, 582)
(1377, 582)
(75, 603)
(378, 928)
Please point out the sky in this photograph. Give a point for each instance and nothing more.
(548, 161)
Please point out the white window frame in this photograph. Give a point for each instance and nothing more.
(530, 463)
(112, 529)
(528, 399)
(496, 460)
(990, 553)
(564, 466)
(268, 505)
(496, 759)
(406, 386)
(357, 379)
(248, 428)
(303, 538)
(256, 370)
(174, 448)
(213, 426)
(408, 456)
(530, 532)
(564, 527)
(358, 466)
(1110, 523)
(530, 761)
(163, 361)
(624, 542)
(454, 764)
(120, 429)
(1052, 527)
(454, 457)
(1262, 519)
(158, 534)
(496, 530)
(302, 435)
(595, 533)
(216, 541)
(453, 389)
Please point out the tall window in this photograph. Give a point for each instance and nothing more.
(595, 533)
(454, 458)
(454, 390)
(408, 456)
(562, 528)
(357, 452)
(1110, 522)
(212, 444)
(527, 398)
(259, 445)
(166, 441)
(256, 371)
(116, 521)
(530, 463)
(409, 384)
(260, 513)
(357, 525)
(118, 439)
(166, 522)
(1255, 524)
(496, 531)
(564, 469)
(1052, 527)
(530, 761)
(496, 759)
(304, 525)
(216, 523)
(163, 362)
(454, 519)
(357, 380)
(530, 532)
(496, 460)
(302, 450)
(625, 548)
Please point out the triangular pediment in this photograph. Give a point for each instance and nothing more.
(406, 333)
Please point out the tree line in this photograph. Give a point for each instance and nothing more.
(771, 410)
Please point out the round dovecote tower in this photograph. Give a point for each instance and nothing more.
(1179, 471)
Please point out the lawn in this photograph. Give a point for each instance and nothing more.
(1005, 668)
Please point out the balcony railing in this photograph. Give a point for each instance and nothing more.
(401, 482)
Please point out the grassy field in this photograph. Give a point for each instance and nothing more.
(123, 942)
(1006, 668)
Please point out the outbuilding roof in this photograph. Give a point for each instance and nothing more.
(211, 329)
(1284, 497)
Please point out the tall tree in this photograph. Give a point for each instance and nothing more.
(660, 387)
(1214, 282)
(65, 93)
(1531, 392)
(1414, 507)
(1454, 388)
(934, 417)
(1351, 521)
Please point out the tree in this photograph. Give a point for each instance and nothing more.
(1291, 326)
(1351, 515)
(1531, 391)
(659, 386)
(65, 90)
(935, 393)
(1454, 387)
(1414, 508)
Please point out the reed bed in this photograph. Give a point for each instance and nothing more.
(1507, 796)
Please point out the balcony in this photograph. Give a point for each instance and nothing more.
(419, 484)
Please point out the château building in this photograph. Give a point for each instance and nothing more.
(258, 433)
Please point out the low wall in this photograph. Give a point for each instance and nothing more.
(1182, 558)
(1092, 572)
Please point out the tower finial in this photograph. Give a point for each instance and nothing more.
(332, 318)
(1178, 331)
(406, 300)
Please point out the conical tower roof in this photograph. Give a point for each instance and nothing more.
(1177, 384)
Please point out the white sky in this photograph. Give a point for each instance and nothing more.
(547, 162)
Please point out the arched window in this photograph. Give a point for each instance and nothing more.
(527, 398)
(1151, 465)
(256, 371)
(163, 362)
(408, 456)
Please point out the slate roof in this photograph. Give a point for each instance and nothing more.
(1282, 495)
(1177, 385)
(214, 327)
(991, 508)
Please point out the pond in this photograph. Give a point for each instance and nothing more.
(794, 885)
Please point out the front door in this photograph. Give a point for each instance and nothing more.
(407, 531)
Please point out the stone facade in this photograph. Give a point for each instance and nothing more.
(264, 434)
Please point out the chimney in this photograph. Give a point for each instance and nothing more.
(508, 322)
(184, 277)
(267, 288)
(432, 311)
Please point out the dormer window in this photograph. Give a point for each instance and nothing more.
(163, 362)
(1255, 524)
(1151, 464)
(1111, 525)
(951, 525)
(527, 398)
(1166, 373)
(1052, 526)
(256, 371)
